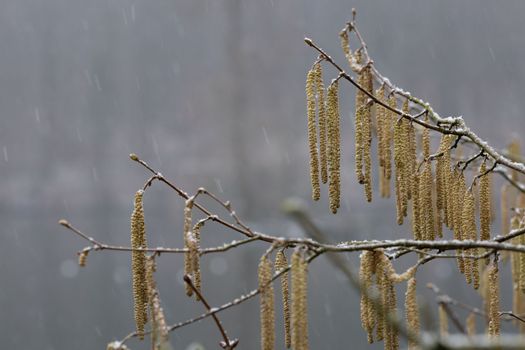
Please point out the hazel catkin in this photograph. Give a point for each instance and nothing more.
(412, 312)
(138, 264)
(334, 147)
(312, 134)
(299, 302)
(282, 263)
(267, 304)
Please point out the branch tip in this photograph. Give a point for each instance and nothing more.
(64, 222)
(134, 157)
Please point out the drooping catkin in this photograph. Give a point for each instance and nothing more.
(366, 272)
(138, 264)
(469, 231)
(320, 93)
(367, 135)
(400, 151)
(521, 275)
(381, 123)
(389, 135)
(416, 208)
(267, 304)
(443, 320)
(312, 134)
(360, 107)
(82, 258)
(440, 176)
(411, 158)
(457, 199)
(484, 203)
(411, 309)
(281, 263)
(159, 334)
(334, 147)
(471, 324)
(299, 302)
(189, 244)
(425, 202)
(494, 318)
(345, 45)
(195, 256)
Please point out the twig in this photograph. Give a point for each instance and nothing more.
(226, 343)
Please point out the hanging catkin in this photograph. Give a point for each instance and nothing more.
(82, 258)
(138, 264)
(334, 147)
(320, 93)
(412, 313)
(459, 188)
(484, 203)
(381, 124)
(471, 324)
(389, 135)
(411, 158)
(400, 151)
(345, 45)
(416, 208)
(312, 134)
(469, 231)
(360, 107)
(367, 134)
(299, 302)
(494, 317)
(443, 320)
(282, 263)
(267, 304)
(425, 202)
(189, 244)
(366, 272)
(159, 334)
(195, 256)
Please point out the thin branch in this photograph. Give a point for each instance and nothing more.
(226, 343)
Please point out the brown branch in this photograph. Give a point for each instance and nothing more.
(226, 343)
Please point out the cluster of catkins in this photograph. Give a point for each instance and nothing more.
(295, 311)
(377, 276)
(431, 187)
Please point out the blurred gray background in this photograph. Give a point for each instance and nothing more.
(211, 93)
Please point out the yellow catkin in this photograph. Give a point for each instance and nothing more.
(389, 135)
(443, 320)
(411, 309)
(425, 197)
(138, 264)
(381, 123)
(159, 334)
(411, 157)
(459, 190)
(82, 258)
(360, 107)
(366, 272)
(320, 93)
(345, 45)
(299, 302)
(312, 134)
(334, 147)
(484, 204)
(468, 230)
(514, 150)
(416, 208)
(189, 244)
(448, 190)
(367, 136)
(281, 263)
(471, 324)
(494, 318)
(390, 300)
(267, 304)
(440, 177)
(400, 164)
(408, 143)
